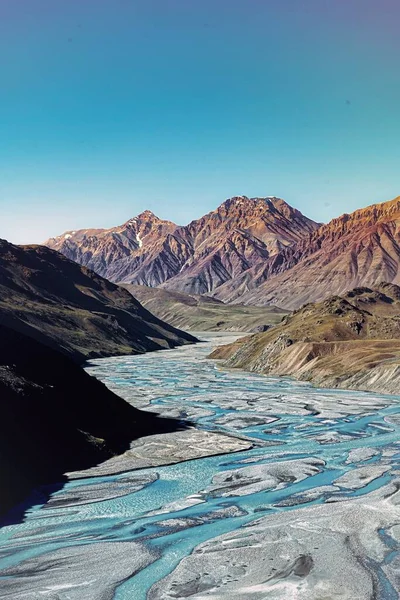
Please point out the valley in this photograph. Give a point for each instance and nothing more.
(194, 465)
(312, 501)
(192, 312)
(200, 300)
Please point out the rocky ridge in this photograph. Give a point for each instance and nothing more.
(70, 308)
(357, 249)
(196, 258)
(255, 251)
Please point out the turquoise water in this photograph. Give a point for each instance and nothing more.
(289, 421)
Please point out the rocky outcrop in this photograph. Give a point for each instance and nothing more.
(197, 258)
(346, 342)
(70, 308)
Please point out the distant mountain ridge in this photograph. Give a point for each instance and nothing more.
(255, 251)
(196, 258)
(353, 250)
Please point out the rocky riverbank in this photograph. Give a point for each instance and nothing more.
(349, 342)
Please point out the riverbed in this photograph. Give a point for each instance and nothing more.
(309, 510)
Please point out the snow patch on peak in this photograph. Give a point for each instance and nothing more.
(67, 236)
(139, 241)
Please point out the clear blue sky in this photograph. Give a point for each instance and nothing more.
(110, 107)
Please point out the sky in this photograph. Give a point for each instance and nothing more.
(111, 107)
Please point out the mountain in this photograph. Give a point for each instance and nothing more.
(196, 258)
(70, 308)
(350, 341)
(193, 312)
(54, 314)
(241, 233)
(260, 251)
(113, 253)
(357, 249)
(56, 418)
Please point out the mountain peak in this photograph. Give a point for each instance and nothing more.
(246, 201)
(269, 207)
(198, 257)
(258, 203)
(147, 215)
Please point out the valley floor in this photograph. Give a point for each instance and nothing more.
(307, 508)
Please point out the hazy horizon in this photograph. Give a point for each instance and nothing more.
(110, 108)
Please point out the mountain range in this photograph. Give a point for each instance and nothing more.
(361, 249)
(254, 251)
(197, 258)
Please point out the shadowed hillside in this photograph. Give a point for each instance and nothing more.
(54, 416)
(70, 308)
(57, 418)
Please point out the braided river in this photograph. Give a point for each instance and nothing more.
(311, 510)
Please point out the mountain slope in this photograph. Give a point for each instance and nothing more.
(196, 258)
(358, 249)
(349, 342)
(67, 307)
(56, 418)
(200, 313)
(107, 251)
(241, 233)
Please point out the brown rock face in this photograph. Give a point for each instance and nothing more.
(241, 233)
(253, 251)
(198, 258)
(108, 252)
(360, 249)
(350, 341)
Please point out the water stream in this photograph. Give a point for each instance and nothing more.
(312, 446)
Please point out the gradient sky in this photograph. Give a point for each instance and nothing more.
(110, 107)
